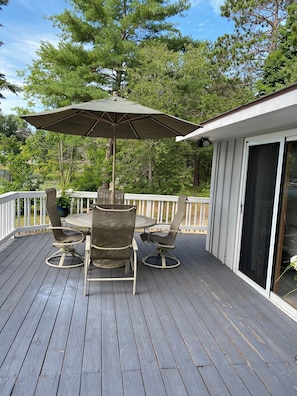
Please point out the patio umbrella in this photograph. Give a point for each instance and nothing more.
(113, 117)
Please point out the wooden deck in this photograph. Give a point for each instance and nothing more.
(194, 330)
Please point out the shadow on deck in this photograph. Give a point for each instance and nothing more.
(194, 330)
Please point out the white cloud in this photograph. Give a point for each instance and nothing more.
(10, 102)
(44, 7)
(196, 3)
(16, 54)
(216, 4)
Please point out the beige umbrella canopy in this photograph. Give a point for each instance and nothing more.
(113, 117)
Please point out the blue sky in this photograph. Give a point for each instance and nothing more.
(25, 26)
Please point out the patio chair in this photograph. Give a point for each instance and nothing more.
(104, 196)
(111, 245)
(65, 238)
(162, 257)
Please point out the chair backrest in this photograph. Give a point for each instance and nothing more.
(104, 197)
(53, 214)
(178, 218)
(112, 231)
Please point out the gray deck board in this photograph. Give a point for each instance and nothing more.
(194, 330)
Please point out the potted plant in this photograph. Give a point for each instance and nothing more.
(63, 203)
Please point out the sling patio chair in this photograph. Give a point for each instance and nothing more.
(104, 196)
(162, 257)
(65, 238)
(111, 245)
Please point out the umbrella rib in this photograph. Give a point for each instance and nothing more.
(111, 121)
(142, 117)
(56, 121)
(166, 126)
(134, 130)
(92, 128)
(125, 118)
(108, 120)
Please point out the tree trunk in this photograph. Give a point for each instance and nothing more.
(196, 175)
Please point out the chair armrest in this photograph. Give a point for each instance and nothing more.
(65, 229)
(83, 235)
(164, 231)
(160, 226)
(134, 245)
(88, 243)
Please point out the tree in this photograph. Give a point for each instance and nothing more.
(280, 67)
(13, 136)
(13, 133)
(190, 85)
(54, 158)
(4, 84)
(12, 125)
(95, 166)
(97, 46)
(256, 35)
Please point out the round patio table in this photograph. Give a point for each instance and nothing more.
(85, 220)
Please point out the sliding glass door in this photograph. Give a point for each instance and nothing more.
(258, 211)
(284, 274)
(269, 219)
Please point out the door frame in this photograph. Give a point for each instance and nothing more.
(249, 142)
(277, 300)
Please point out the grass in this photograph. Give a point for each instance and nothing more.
(201, 191)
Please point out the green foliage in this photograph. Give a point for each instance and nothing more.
(97, 45)
(62, 75)
(280, 67)
(95, 167)
(55, 157)
(188, 84)
(153, 166)
(256, 34)
(23, 176)
(64, 200)
(13, 137)
(201, 191)
(133, 48)
(169, 80)
(12, 125)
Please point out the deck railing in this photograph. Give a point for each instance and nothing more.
(25, 211)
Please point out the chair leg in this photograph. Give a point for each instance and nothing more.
(161, 259)
(87, 263)
(63, 253)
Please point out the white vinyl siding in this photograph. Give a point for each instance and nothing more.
(224, 209)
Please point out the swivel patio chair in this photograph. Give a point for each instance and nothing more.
(162, 257)
(104, 196)
(65, 238)
(111, 245)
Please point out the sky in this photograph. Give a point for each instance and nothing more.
(25, 26)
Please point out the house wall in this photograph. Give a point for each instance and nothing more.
(224, 207)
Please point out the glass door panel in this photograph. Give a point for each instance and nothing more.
(285, 281)
(258, 210)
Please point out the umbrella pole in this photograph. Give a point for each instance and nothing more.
(113, 166)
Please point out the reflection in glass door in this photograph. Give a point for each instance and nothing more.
(285, 282)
